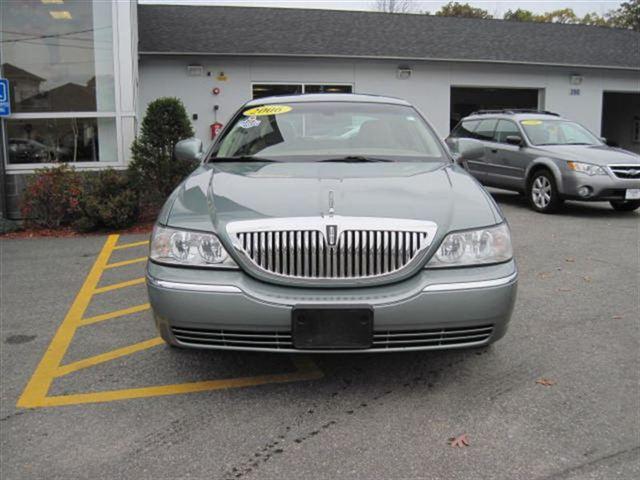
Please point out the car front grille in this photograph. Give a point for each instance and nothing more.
(382, 339)
(431, 338)
(233, 338)
(626, 171)
(356, 254)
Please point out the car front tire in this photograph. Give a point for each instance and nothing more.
(625, 205)
(542, 192)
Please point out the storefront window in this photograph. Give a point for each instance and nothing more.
(60, 140)
(58, 58)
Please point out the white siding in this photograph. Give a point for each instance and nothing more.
(428, 88)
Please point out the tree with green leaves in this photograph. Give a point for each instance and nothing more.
(627, 16)
(154, 169)
(520, 15)
(456, 9)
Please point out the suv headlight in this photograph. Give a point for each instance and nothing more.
(185, 247)
(474, 247)
(586, 168)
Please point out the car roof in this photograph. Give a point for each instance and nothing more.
(514, 115)
(327, 97)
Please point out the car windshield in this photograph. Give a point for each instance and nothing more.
(558, 132)
(329, 131)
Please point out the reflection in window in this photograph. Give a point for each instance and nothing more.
(58, 57)
(261, 90)
(269, 90)
(61, 140)
(327, 89)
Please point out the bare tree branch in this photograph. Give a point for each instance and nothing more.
(394, 6)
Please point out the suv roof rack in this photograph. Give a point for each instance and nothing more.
(513, 111)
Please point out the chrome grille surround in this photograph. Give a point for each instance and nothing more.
(383, 340)
(365, 248)
(626, 171)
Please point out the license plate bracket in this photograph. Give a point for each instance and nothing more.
(325, 327)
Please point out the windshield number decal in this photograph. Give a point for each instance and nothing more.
(267, 110)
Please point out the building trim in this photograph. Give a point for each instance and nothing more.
(412, 59)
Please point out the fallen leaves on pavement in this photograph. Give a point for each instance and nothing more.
(570, 260)
(546, 382)
(460, 441)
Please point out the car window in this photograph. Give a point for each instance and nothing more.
(557, 132)
(485, 129)
(465, 129)
(316, 131)
(505, 129)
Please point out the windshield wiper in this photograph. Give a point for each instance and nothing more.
(357, 159)
(241, 158)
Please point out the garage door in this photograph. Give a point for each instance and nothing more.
(465, 100)
(621, 120)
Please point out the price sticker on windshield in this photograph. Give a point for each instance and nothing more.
(267, 110)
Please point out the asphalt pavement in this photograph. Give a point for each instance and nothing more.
(87, 391)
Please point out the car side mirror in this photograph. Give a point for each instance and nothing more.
(469, 149)
(189, 149)
(514, 140)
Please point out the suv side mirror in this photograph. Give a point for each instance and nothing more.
(188, 149)
(514, 140)
(469, 149)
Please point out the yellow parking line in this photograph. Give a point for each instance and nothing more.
(124, 263)
(131, 245)
(116, 286)
(36, 392)
(115, 314)
(105, 357)
(39, 383)
(180, 388)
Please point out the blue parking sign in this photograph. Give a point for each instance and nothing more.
(5, 107)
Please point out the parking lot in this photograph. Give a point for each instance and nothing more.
(89, 391)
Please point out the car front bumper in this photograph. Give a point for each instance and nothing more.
(601, 187)
(435, 309)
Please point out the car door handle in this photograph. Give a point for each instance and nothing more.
(494, 150)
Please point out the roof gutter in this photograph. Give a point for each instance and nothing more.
(412, 59)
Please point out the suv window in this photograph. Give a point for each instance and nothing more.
(505, 128)
(465, 129)
(485, 129)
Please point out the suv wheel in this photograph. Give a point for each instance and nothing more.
(542, 192)
(626, 205)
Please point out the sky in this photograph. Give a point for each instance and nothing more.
(494, 7)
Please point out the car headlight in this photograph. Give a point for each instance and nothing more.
(586, 168)
(184, 247)
(474, 247)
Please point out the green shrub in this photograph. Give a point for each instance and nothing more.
(154, 170)
(52, 197)
(108, 201)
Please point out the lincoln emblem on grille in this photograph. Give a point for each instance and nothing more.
(332, 235)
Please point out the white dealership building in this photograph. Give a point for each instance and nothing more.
(82, 72)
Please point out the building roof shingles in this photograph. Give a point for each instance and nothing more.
(301, 32)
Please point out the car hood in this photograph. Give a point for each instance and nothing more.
(596, 154)
(215, 195)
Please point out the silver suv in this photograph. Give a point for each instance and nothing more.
(548, 158)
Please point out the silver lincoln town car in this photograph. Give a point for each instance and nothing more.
(330, 223)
